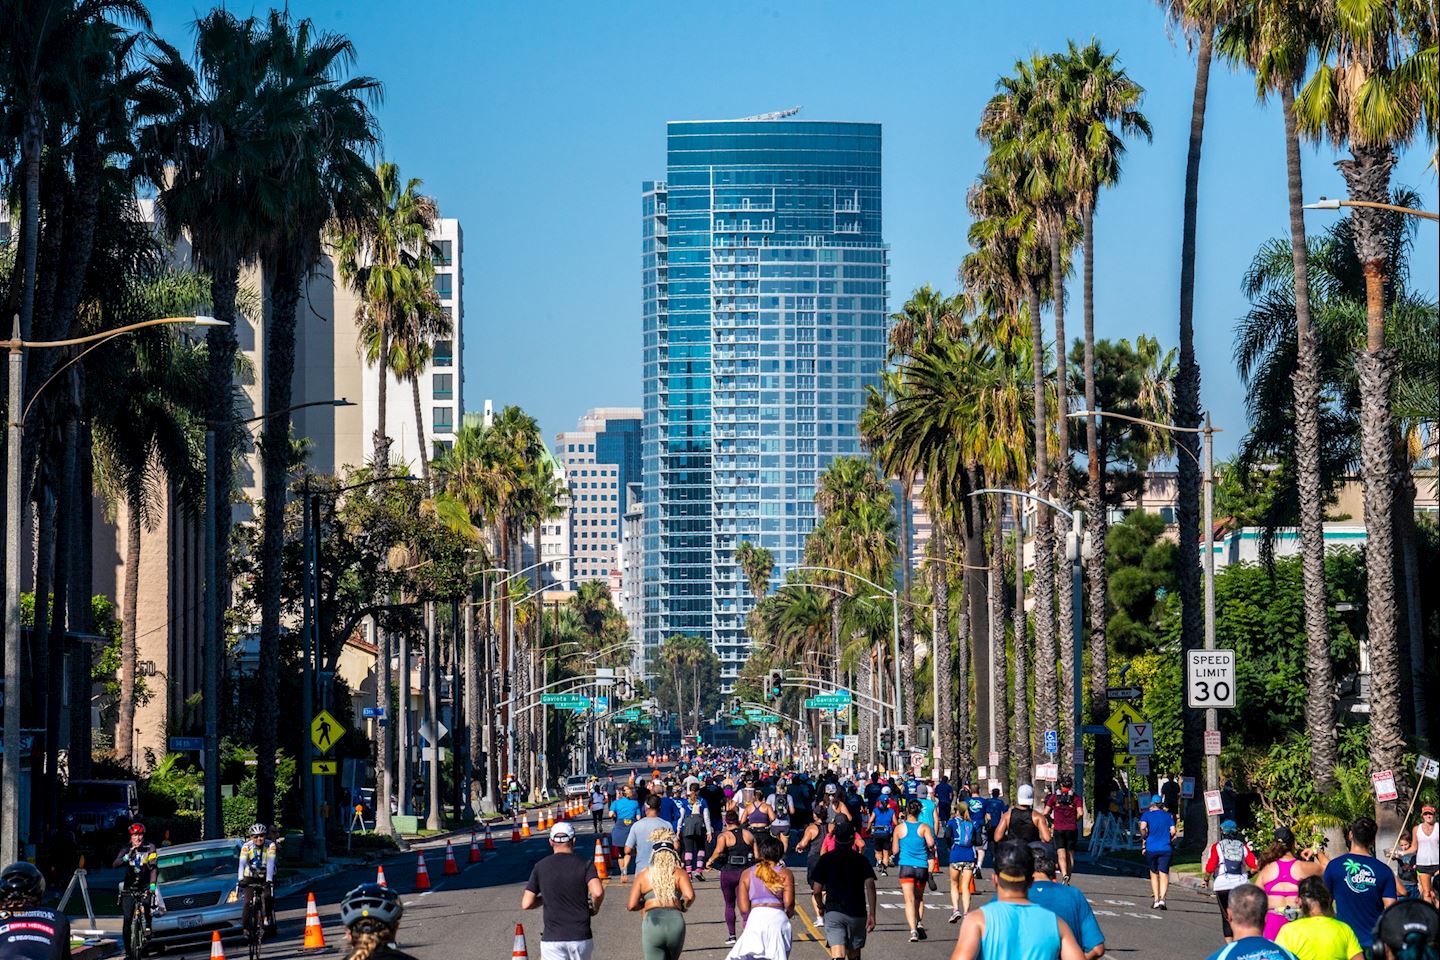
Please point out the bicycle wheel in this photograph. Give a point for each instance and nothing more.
(135, 945)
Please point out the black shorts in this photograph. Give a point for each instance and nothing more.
(1222, 900)
(917, 875)
(1066, 839)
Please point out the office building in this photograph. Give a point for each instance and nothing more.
(630, 560)
(764, 286)
(601, 456)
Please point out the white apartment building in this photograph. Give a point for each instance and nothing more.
(630, 560)
(601, 457)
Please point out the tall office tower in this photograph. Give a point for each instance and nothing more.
(600, 457)
(764, 308)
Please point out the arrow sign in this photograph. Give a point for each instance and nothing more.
(1123, 693)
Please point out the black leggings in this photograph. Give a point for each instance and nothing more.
(693, 847)
(730, 889)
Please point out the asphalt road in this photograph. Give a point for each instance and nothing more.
(472, 916)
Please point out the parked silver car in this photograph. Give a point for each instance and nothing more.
(577, 786)
(196, 880)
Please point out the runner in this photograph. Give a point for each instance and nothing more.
(1317, 934)
(1157, 838)
(976, 803)
(1361, 885)
(843, 885)
(1229, 864)
(963, 835)
(914, 846)
(767, 898)
(1409, 930)
(625, 811)
(1023, 822)
(1010, 927)
(1247, 919)
(882, 829)
(1280, 875)
(735, 852)
(695, 832)
(597, 806)
(944, 797)
(641, 834)
(570, 891)
(1066, 902)
(1067, 814)
(663, 892)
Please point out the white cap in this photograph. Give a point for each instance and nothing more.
(562, 831)
(1026, 796)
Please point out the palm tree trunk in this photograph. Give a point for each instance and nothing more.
(433, 818)
(1064, 611)
(907, 613)
(221, 345)
(1045, 703)
(81, 616)
(1405, 533)
(275, 463)
(1187, 414)
(129, 657)
(1021, 729)
(31, 145)
(1319, 682)
(475, 715)
(999, 709)
(404, 735)
(425, 455)
(381, 455)
(1096, 526)
(385, 750)
(39, 651)
(941, 669)
(66, 514)
(973, 529)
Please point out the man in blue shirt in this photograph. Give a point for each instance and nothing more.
(1361, 885)
(1157, 830)
(1246, 909)
(1066, 902)
(944, 795)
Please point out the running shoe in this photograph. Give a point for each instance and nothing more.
(730, 940)
(955, 916)
(914, 936)
(1160, 905)
(920, 929)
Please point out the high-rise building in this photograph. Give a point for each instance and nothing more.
(764, 278)
(600, 456)
(630, 557)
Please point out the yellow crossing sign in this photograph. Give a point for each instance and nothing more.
(1122, 714)
(325, 731)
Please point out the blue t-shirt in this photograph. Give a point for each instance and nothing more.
(1159, 823)
(994, 810)
(977, 809)
(1252, 948)
(944, 793)
(625, 810)
(1360, 885)
(1070, 905)
(670, 811)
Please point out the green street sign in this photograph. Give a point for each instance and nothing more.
(828, 701)
(768, 717)
(570, 701)
(738, 721)
(753, 711)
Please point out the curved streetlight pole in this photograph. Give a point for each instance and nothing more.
(1327, 203)
(1207, 477)
(15, 412)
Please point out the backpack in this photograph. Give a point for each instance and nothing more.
(963, 832)
(1232, 857)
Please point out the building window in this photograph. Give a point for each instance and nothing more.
(442, 252)
(445, 285)
(444, 385)
(444, 419)
(444, 353)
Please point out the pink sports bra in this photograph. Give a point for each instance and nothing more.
(1282, 875)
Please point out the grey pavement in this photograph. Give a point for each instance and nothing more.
(472, 916)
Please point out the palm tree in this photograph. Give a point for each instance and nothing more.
(1373, 91)
(324, 179)
(1102, 107)
(148, 420)
(386, 260)
(413, 347)
(1199, 25)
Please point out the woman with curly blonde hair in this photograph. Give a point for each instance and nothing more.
(663, 892)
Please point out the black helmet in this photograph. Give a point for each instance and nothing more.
(22, 881)
(371, 902)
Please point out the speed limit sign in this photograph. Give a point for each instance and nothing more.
(1210, 679)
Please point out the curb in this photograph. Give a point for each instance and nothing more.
(1129, 868)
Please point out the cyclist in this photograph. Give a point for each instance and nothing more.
(371, 916)
(257, 868)
(29, 931)
(137, 887)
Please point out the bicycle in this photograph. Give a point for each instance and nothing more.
(252, 917)
(137, 922)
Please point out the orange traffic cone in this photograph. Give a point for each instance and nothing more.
(314, 933)
(422, 875)
(600, 870)
(489, 837)
(380, 875)
(515, 831)
(525, 826)
(518, 952)
(451, 867)
(217, 952)
(475, 855)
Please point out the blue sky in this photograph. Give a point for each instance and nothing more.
(534, 123)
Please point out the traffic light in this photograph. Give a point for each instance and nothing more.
(885, 739)
(735, 705)
(774, 684)
(900, 743)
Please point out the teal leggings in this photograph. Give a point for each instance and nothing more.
(662, 934)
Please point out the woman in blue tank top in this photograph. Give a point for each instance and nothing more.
(914, 845)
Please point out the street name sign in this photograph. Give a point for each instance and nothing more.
(569, 701)
(372, 713)
(1210, 679)
(187, 744)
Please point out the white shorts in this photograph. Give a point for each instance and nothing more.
(567, 949)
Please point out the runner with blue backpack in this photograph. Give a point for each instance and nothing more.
(963, 835)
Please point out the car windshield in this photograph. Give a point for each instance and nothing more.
(198, 864)
(111, 793)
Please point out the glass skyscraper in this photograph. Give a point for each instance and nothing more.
(764, 299)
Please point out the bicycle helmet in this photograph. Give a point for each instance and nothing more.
(373, 904)
(22, 881)
(258, 830)
(137, 828)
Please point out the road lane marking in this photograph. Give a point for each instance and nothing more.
(810, 932)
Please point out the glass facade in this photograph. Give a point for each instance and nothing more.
(764, 278)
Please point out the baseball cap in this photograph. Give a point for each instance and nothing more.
(1025, 797)
(1284, 835)
(844, 832)
(1229, 826)
(562, 831)
(884, 790)
(829, 788)
(1408, 920)
(1157, 801)
(1428, 808)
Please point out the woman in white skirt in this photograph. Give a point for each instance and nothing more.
(767, 899)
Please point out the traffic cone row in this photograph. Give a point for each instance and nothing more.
(600, 870)
(518, 952)
(314, 933)
(422, 875)
(489, 837)
(475, 855)
(451, 867)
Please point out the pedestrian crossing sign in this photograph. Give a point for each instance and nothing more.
(325, 731)
(1121, 716)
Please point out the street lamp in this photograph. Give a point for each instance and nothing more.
(1207, 474)
(1326, 203)
(10, 784)
(1073, 549)
(894, 629)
